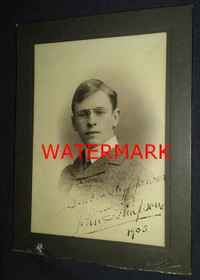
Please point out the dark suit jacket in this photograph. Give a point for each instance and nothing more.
(117, 179)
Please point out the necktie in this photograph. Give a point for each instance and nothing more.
(88, 163)
(85, 164)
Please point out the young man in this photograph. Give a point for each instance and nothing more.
(95, 116)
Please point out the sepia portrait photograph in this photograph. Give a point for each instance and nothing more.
(102, 142)
(99, 130)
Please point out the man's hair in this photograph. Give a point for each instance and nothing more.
(90, 87)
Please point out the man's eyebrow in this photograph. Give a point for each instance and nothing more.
(96, 108)
(99, 108)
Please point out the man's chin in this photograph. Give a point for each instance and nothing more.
(92, 140)
(93, 143)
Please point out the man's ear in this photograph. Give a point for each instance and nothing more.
(116, 117)
(74, 122)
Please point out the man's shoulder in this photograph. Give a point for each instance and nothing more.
(66, 170)
(132, 163)
(134, 168)
(128, 165)
(65, 175)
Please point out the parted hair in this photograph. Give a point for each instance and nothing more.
(90, 87)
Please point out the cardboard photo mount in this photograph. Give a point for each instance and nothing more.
(175, 256)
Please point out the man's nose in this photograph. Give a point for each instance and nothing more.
(92, 119)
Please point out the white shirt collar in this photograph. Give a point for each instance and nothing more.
(111, 142)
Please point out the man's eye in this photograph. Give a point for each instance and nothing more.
(82, 114)
(99, 112)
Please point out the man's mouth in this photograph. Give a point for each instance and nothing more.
(92, 132)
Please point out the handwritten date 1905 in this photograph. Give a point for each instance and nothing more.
(131, 232)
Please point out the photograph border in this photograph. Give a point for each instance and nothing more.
(177, 22)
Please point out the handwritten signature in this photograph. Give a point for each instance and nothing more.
(114, 216)
(126, 194)
(127, 208)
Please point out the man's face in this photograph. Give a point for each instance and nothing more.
(94, 119)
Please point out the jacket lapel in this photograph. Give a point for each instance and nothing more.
(98, 167)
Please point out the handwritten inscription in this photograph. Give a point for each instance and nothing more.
(131, 232)
(147, 207)
(129, 213)
(126, 194)
(115, 216)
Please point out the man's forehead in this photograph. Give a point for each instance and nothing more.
(94, 100)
